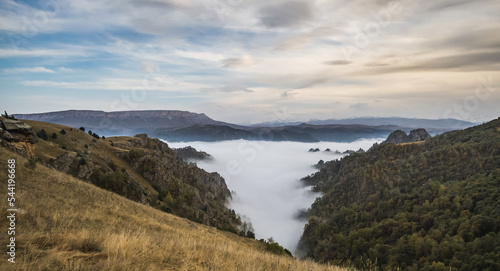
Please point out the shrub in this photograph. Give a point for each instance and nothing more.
(54, 135)
(82, 129)
(275, 248)
(62, 132)
(42, 134)
(31, 162)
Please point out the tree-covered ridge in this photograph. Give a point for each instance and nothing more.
(424, 206)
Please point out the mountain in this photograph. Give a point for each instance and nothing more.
(121, 122)
(429, 205)
(65, 223)
(433, 125)
(401, 137)
(298, 133)
(139, 168)
(173, 125)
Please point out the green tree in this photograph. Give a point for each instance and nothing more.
(42, 134)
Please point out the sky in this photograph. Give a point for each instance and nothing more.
(251, 61)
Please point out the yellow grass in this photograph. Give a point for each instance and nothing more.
(66, 224)
(416, 142)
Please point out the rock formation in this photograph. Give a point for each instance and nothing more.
(17, 135)
(190, 153)
(399, 136)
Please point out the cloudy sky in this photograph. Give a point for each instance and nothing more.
(249, 61)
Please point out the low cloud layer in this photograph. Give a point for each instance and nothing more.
(265, 178)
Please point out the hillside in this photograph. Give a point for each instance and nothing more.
(64, 223)
(431, 205)
(142, 169)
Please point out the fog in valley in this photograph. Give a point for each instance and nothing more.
(265, 179)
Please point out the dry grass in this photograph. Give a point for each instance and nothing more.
(76, 140)
(67, 224)
(410, 143)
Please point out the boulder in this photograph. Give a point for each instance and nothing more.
(17, 135)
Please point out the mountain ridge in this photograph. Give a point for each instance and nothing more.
(176, 125)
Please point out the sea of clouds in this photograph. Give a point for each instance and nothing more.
(265, 179)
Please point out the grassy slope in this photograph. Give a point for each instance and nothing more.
(67, 224)
(75, 140)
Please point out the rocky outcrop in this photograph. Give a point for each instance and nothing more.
(399, 136)
(198, 195)
(418, 135)
(18, 135)
(189, 153)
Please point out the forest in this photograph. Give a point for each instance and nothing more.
(429, 205)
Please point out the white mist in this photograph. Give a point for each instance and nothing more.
(265, 177)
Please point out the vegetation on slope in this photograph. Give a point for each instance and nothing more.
(142, 169)
(64, 223)
(434, 205)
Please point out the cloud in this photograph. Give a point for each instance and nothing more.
(458, 62)
(311, 81)
(10, 53)
(243, 61)
(337, 62)
(286, 14)
(207, 56)
(22, 70)
(159, 82)
(266, 179)
(299, 40)
(229, 89)
(482, 38)
(224, 50)
(359, 106)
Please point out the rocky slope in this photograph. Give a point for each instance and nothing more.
(143, 169)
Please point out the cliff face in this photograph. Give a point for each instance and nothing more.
(18, 135)
(399, 136)
(200, 196)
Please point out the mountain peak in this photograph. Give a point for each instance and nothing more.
(399, 136)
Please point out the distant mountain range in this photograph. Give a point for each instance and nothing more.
(175, 125)
(408, 123)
